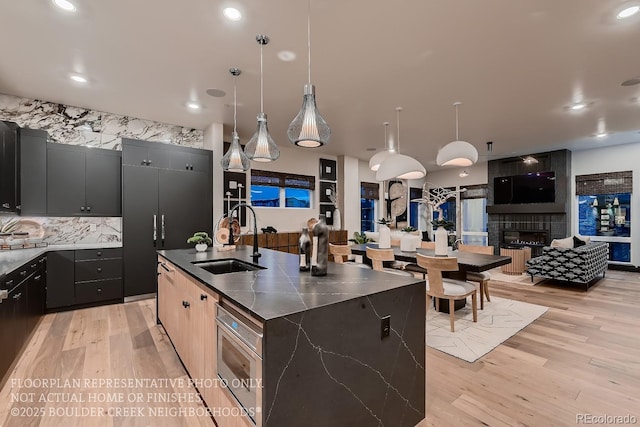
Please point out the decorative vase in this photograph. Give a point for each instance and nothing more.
(409, 242)
(337, 223)
(442, 241)
(304, 249)
(384, 238)
(201, 247)
(321, 247)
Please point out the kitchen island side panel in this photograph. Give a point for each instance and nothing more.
(329, 365)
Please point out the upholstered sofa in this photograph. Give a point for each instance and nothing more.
(576, 265)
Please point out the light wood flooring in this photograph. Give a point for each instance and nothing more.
(581, 357)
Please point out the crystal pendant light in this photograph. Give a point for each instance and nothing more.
(234, 159)
(308, 129)
(261, 147)
(457, 153)
(398, 165)
(378, 158)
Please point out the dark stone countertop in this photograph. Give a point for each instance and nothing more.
(281, 289)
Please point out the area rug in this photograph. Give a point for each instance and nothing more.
(518, 279)
(501, 319)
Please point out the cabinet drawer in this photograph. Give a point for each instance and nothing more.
(85, 254)
(98, 269)
(102, 290)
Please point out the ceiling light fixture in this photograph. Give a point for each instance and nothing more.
(398, 165)
(65, 5)
(378, 158)
(78, 78)
(628, 12)
(463, 174)
(234, 159)
(457, 153)
(232, 14)
(308, 129)
(261, 146)
(193, 106)
(577, 106)
(529, 160)
(601, 134)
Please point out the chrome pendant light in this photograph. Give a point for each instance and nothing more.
(398, 165)
(378, 158)
(308, 129)
(261, 146)
(457, 153)
(234, 159)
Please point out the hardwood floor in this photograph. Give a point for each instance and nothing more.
(581, 357)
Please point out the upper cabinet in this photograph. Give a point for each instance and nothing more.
(83, 181)
(33, 172)
(164, 156)
(9, 167)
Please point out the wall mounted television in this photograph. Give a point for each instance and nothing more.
(533, 187)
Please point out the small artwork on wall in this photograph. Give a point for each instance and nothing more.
(328, 169)
(232, 183)
(327, 211)
(241, 212)
(326, 189)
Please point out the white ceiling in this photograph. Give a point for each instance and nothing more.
(514, 65)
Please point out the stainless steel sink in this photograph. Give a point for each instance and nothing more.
(225, 266)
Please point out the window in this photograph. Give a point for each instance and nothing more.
(277, 190)
(473, 210)
(415, 211)
(607, 218)
(369, 194)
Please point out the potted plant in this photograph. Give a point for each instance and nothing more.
(201, 239)
(360, 238)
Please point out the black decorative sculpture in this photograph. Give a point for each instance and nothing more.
(321, 231)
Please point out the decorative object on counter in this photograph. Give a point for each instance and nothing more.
(384, 239)
(234, 159)
(304, 249)
(321, 247)
(457, 153)
(309, 129)
(201, 239)
(269, 229)
(333, 196)
(434, 196)
(311, 222)
(360, 238)
(399, 165)
(261, 147)
(442, 236)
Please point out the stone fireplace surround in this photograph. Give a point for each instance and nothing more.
(539, 222)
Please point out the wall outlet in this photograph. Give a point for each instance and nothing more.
(385, 327)
(93, 227)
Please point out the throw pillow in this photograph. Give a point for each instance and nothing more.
(585, 239)
(567, 242)
(578, 242)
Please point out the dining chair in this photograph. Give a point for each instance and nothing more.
(449, 289)
(379, 256)
(415, 268)
(428, 245)
(482, 277)
(342, 255)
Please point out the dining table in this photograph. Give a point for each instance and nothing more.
(467, 262)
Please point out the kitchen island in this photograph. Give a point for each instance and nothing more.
(346, 349)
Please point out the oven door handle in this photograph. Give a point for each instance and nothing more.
(237, 338)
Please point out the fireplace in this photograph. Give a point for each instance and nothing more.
(535, 239)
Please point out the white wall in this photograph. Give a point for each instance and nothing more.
(449, 177)
(349, 193)
(213, 140)
(611, 159)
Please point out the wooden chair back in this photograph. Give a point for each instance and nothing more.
(377, 256)
(428, 245)
(435, 266)
(476, 249)
(340, 252)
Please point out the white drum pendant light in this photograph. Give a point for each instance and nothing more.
(308, 129)
(235, 160)
(398, 165)
(457, 153)
(261, 147)
(378, 158)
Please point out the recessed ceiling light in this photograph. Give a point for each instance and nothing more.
(216, 93)
(578, 106)
(193, 105)
(601, 134)
(232, 14)
(463, 174)
(65, 5)
(628, 12)
(78, 78)
(286, 56)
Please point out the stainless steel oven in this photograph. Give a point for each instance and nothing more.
(240, 359)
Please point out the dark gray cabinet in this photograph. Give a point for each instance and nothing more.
(33, 172)
(60, 279)
(9, 167)
(83, 181)
(162, 207)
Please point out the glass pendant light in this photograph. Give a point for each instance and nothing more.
(457, 153)
(261, 146)
(378, 158)
(308, 129)
(398, 165)
(234, 159)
